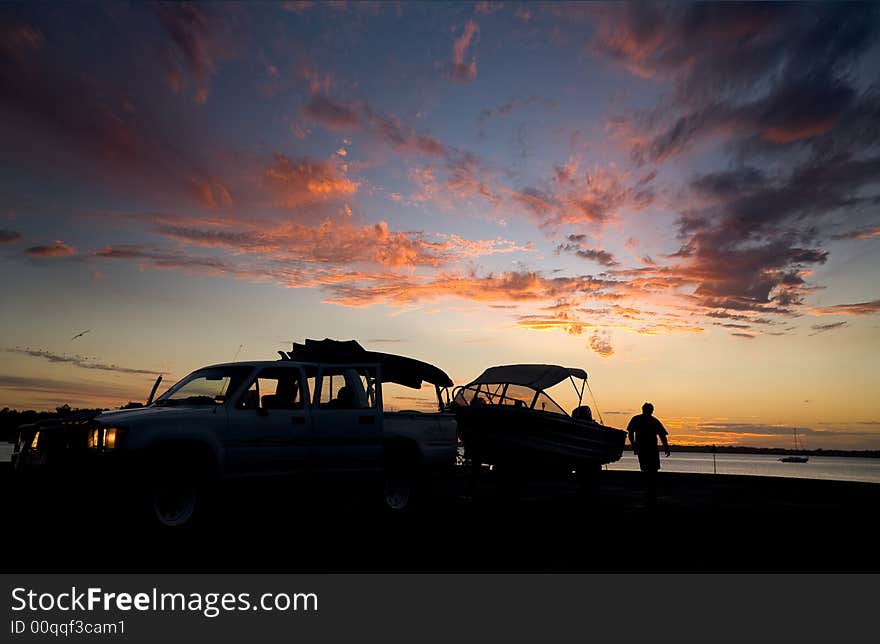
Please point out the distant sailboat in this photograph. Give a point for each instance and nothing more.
(795, 458)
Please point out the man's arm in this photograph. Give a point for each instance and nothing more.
(632, 437)
(662, 431)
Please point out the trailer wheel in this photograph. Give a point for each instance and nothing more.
(589, 477)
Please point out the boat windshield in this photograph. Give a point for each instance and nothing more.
(507, 395)
(210, 386)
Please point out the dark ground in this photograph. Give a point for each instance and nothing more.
(701, 522)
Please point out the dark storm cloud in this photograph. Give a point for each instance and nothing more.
(777, 85)
(574, 244)
(715, 48)
(755, 234)
(802, 110)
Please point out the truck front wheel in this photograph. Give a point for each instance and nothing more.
(174, 502)
(177, 486)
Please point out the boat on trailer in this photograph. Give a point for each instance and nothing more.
(506, 418)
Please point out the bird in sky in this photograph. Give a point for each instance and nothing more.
(79, 335)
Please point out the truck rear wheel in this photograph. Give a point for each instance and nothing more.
(399, 492)
(402, 484)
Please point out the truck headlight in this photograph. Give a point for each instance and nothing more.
(110, 436)
(35, 441)
(104, 438)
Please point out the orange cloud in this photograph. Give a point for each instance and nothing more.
(210, 194)
(600, 342)
(798, 131)
(583, 197)
(860, 234)
(342, 243)
(305, 182)
(505, 287)
(860, 308)
(459, 69)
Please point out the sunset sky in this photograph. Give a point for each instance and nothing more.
(684, 200)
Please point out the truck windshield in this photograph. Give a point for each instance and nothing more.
(205, 387)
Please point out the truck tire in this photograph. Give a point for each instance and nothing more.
(400, 492)
(177, 489)
(403, 488)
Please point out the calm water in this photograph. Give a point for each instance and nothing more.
(818, 467)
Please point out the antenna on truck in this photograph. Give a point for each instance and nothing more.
(153, 390)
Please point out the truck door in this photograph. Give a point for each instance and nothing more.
(269, 424)
(346, 420)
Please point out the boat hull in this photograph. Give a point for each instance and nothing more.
(527, 438)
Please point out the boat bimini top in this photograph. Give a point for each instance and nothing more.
(535, 376)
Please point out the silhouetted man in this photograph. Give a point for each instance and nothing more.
(643, 431)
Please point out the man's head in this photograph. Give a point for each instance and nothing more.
(647, 409)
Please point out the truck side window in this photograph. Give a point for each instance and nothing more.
(334, 393)
(347, 388)
(274, 389)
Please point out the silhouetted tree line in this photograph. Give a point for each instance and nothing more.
(11, 419)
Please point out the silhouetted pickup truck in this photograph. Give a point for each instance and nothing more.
(317, 411)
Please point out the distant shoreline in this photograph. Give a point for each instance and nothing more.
(772, 451)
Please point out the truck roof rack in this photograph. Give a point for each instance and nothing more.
(401, 370)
